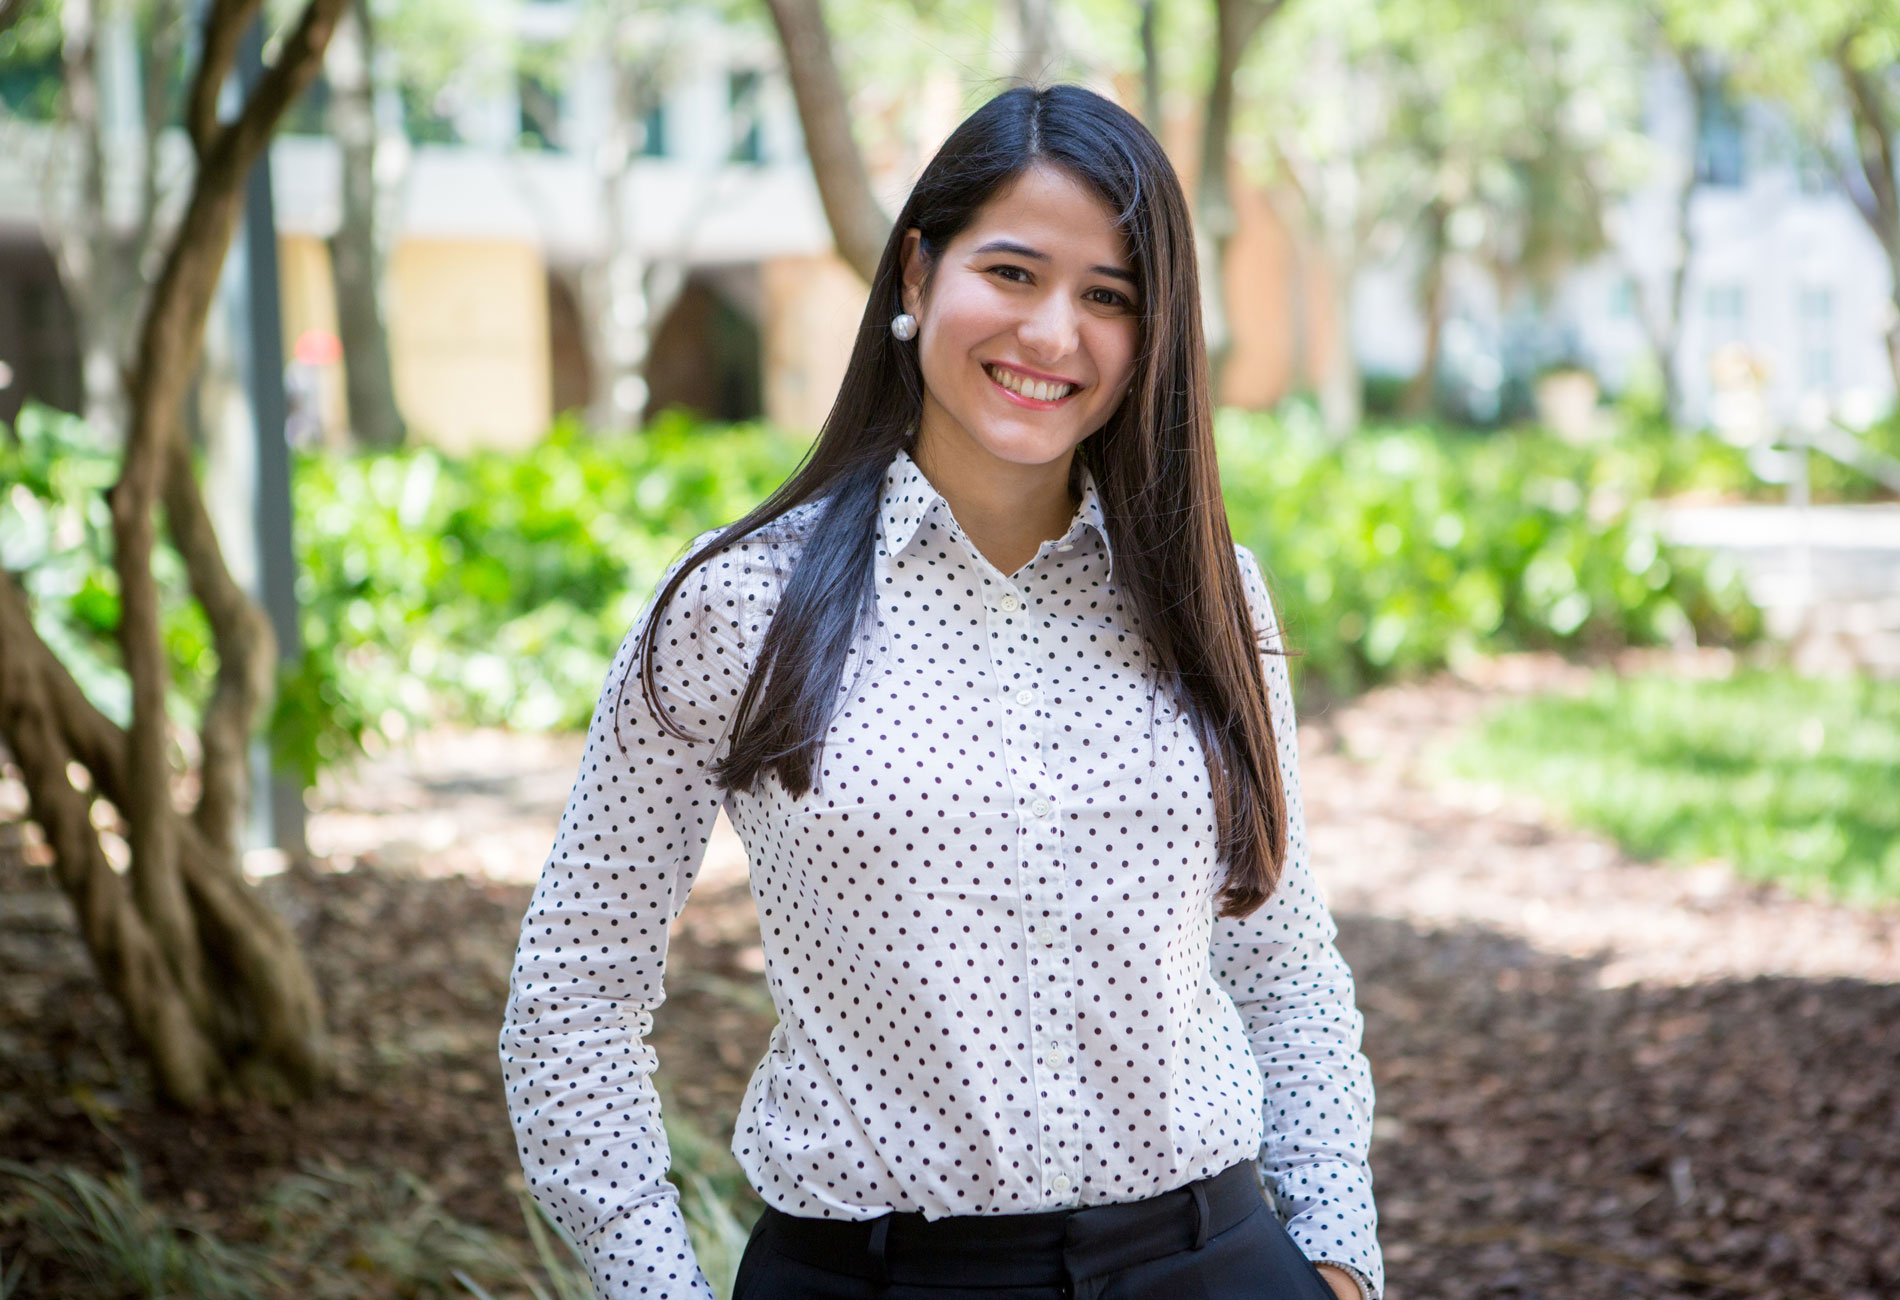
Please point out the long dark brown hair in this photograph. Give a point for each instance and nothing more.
(1153, 463)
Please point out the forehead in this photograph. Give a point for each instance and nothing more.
(1051, 211)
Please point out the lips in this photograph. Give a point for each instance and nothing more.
(1035, 390)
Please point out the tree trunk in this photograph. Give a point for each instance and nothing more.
(1151, 64)
(1035, 29)
(355, 268)
(211, 980)
(1662, 323)
(91, 260)
(1341, 386)
(1238, 22)
(614, 297)
(1421, 392)
(858, 225)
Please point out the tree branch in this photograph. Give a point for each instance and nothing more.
(223, 29)
(247, 655)
(1873, 141)
(171, 339)
(298, 61)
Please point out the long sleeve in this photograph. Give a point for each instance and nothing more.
(588, 970)
(1295, 995)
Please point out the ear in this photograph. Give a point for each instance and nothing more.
(915, 268)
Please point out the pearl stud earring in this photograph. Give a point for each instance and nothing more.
(904, 326)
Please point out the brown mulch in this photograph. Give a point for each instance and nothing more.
(1596, 1077)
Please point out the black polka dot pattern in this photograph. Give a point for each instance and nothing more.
(989, 927)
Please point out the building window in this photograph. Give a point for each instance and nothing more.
(1723, 309)
(744, 99)
(653, 132)
(1817, 338)
(1720, 148)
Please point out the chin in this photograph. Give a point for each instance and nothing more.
(1027, 446)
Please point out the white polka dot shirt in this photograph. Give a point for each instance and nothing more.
(989, 928)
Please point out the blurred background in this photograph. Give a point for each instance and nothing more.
(1557, 350)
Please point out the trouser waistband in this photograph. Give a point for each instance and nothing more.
(1044, 1248)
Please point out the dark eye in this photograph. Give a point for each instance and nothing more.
(1010, 273)
(1109, 298)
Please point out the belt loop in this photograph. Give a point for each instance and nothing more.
(880, 1232)
(1199, 1194)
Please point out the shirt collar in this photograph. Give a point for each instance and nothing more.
(909, 497)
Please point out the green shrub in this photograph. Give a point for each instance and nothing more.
(494, 588)
(1398, 551)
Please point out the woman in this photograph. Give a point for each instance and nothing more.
(988, 691)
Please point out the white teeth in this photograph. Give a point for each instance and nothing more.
(1034, 389)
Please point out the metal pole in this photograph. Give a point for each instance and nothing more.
(277, 561)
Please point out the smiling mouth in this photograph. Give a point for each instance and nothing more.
(1034, 390)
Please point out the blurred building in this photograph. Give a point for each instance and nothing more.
(494, 225)
(1785, 299)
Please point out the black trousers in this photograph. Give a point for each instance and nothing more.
(1215, 1239)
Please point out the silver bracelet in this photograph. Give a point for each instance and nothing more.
(1359, 1279)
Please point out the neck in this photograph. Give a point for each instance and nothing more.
(1006, 508)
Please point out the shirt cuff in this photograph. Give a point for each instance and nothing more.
(1364, 1282)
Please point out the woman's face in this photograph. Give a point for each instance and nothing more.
(1027, 329)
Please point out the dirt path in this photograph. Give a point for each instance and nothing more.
(1596, 1077)
(1599, 1077)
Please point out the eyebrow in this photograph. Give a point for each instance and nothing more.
(1023, 250)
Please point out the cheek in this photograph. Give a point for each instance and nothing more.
(1114, 349)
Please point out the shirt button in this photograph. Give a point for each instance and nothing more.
(1041, 807)
(1059, 1184)
(1066, 546)
(1010, 604)
(1025, 696)
(1046, 935)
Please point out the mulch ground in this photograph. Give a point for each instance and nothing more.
(1596, 1077)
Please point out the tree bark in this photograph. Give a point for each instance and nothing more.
(211, 981)
(858, 225)
(1237, 23)
(355, 268)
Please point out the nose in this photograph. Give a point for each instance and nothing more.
(1049, 332)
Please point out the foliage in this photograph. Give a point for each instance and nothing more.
(1401, 550)
(327, 1232)
(494, 589)
(497, 586)
(1787, 778)
(56, 533)
(114, 1242)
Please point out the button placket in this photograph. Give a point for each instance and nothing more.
(1041, 879)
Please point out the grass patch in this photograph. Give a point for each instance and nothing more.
(1791, 780)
